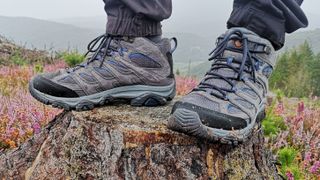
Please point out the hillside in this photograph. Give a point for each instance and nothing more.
(298, 38)
(92, 22)
(45, 34)
(11, 53)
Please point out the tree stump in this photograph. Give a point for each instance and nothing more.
(123, 142)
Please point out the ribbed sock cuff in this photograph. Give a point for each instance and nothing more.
(135, 27)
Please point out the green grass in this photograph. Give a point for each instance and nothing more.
(72, 58)
(287, 157)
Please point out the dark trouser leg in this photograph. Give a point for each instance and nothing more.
(136, 17)
(270, 19)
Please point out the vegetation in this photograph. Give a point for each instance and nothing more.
(297, 73)
(11, 54)
(21, 116)
(292, 126)
(292, 130)
(289, 165)
(71, 58)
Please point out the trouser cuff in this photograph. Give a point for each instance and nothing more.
(262, 23)
(137, 26)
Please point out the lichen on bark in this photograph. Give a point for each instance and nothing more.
(123, 142)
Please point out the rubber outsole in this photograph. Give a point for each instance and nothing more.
(188, 122)
(149, 96)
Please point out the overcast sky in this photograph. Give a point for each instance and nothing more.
(53, 9)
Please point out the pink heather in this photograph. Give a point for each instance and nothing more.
(290, 176)
(315, 169)
(19, 112)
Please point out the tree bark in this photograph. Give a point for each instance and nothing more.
(123, 142)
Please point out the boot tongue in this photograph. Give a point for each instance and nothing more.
(114, 45)
(229, 62)
(233, 59)
(95, 57)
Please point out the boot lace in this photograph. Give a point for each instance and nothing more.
(246, 64)
(100, 48)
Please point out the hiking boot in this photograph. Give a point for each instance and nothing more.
(137, 70)
(231, 98)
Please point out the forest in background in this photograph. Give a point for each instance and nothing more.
(297, 73)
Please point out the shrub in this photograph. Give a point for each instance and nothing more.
(185, 84)
(289, 165)
(38, 68)
(296, 139)
(17, 59)
(274, 123)
(72, 58)
(287, 156)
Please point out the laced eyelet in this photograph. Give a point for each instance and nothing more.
(237, 44)
(103, 46)
(246, 66)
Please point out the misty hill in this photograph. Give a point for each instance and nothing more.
(45, 34)
(41, 33)
(92, 22)
(312, 37)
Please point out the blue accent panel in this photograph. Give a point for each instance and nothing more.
(267, 71)
(141, 57)
(144, 61)
(229, 60)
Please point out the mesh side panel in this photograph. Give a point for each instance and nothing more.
(144, 61)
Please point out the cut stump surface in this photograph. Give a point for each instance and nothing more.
(123, 142)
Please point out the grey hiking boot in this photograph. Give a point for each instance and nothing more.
(133, 69)
(231, 98)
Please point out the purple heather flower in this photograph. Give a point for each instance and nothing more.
(315, 168)
(37, 128)
(290, 175)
